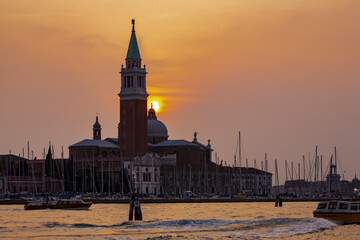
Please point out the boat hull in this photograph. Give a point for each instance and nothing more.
(339, 218)
(73, 206)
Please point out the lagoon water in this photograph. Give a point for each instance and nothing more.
(174, 221)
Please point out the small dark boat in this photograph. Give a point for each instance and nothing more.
(58, 204)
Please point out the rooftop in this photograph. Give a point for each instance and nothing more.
(95, 143)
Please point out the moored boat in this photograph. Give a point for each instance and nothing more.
(58, 204)
(341, 212)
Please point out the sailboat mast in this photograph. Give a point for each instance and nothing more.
(266, 162)
(240, 162)
(62, 169)
(335, 169)
(304, 167)
(316, 167)
(277, 177)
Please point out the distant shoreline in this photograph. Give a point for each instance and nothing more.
(182, 200)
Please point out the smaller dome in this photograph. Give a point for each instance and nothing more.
(156, 128)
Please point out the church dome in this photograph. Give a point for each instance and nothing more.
(155, 127)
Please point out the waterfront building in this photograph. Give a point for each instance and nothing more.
(19, 175)
(96, 164)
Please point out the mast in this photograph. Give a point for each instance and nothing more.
(299, 179)
(7, 172)
(62, 169)
(277, 177)
(32, 170)
(240, 162)
(315, 164)
(131, 186)
(28, 150)
(330, 174)
(304, 167)
(74, 173)
(102, 176)
(335, 169)
(321, 184)
(266, 162)
(310, 167)
(52, 168)
(216, 173)
(21, 170)
(43, 171)
(321, 164)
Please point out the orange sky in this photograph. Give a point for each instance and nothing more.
(284, 73)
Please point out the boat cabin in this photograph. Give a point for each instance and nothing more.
(338, 206)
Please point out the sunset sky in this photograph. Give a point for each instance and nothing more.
(284, 73)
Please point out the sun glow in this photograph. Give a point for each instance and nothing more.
(155, 105)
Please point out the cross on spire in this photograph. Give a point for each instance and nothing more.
(133, 24)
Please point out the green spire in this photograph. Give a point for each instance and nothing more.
(133, 50)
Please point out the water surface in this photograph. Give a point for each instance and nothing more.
(174, 221)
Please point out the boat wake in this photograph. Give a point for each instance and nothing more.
(253, 228)
(83, 225)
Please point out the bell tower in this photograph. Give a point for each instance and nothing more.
(132, 127)
(97, 130)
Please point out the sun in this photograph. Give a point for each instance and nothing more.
(155, 105)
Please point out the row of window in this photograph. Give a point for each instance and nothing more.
(147, 190)
(105, 164)
(146, 177)
(128, 81)
(131, 64)
(342, 206)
